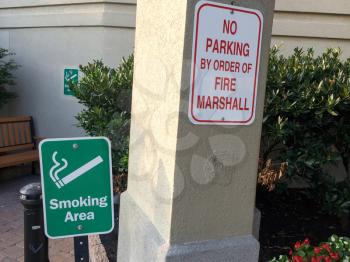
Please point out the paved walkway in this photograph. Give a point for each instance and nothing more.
(11, 226)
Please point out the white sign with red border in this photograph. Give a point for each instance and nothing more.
(225, 64)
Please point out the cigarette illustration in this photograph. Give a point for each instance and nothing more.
(70, 78)
(56, 169)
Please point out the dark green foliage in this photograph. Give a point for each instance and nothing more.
(336, 200)
(307, 115)
(6, 78)
(106, 94)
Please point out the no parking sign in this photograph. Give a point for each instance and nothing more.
(225, 64)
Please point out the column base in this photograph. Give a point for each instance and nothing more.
(140, 241)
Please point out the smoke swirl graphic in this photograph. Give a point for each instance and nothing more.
(56, 169)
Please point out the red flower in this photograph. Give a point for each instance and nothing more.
(290, 252)
(315, 259)
(334, 255)
(328, 259)
(317, 250)
(297, 259)
(327, 247)
(306, 241)
(297, 245)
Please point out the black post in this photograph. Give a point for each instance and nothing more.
(35, 241)
(81, 249)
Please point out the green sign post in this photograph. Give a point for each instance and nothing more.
(76, 175)
(70, 75)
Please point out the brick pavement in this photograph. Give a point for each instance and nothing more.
(11, 226)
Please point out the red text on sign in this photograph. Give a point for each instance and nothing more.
(225, 83)
(220, 46)
(229, 27)
(226, 66)
(246, 68)
(222, 102)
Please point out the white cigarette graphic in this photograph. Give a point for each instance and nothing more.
(82, 170)
(72, 77)
(58, 167)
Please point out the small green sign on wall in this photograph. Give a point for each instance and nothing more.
(70, 75)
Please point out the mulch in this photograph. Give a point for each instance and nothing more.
(289, 217)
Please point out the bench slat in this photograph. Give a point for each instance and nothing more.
(15, 119)
(1, 137)
(21, 133)
(27, 132)
(5, 134)
(16, 148)
(17, 137)
(22, 129)
(11, 134)
(19, 158)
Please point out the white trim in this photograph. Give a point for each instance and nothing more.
(40, 3)
(314, 6)
(311, 25)
(43, 185)
(72, 15)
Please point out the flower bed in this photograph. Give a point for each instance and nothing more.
(336, 249)
(287, 218)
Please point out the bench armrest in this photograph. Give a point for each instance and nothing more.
(37, 140)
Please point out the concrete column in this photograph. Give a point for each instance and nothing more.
(191, 188)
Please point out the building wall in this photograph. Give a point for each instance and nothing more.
(47, 37)
(312, 23)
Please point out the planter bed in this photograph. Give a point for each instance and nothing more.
(290, 217)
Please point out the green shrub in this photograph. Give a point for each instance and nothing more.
(307, 113)
(336, 199)
(306, 124)
(106, 94)
(6, 78)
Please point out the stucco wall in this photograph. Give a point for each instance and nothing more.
(47, 37)
(312, 23)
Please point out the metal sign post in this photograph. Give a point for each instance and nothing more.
(81, 249)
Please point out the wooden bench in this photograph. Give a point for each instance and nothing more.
(17, 143)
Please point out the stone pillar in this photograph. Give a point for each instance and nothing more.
(191, 188)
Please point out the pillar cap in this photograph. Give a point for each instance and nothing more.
(31, 191)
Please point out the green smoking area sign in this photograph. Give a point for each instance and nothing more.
(76, 175)
(71, 75)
